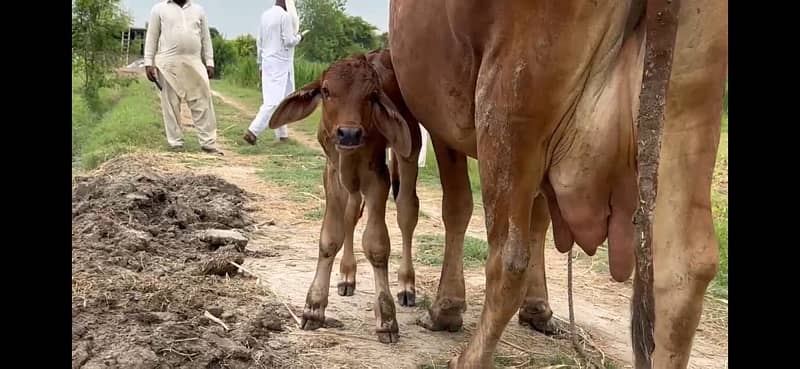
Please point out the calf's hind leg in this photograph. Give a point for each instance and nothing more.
(407, 217)
(347, 266)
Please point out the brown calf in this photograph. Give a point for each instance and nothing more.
(363, 113)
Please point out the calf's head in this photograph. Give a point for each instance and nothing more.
(354, 108)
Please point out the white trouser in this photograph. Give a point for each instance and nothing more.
(203, 116)
(423, 151)
(277, 82)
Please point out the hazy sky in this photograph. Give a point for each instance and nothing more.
(236, 17)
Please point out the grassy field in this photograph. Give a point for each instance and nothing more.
(130, 120)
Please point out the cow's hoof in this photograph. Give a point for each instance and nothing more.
(346, 288)
(388, 337)
(444, 315)
(313, 318)
(387, 329)
(407, 298)
(539, 316)
(443, 323)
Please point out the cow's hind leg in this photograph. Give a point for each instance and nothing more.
(407, 217)
(684, 244)
(446, 311)
(375, 242)
(535, 310)
(347, 266)
(330, 241)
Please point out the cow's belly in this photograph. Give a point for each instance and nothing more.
(592, 181)
(438, 83)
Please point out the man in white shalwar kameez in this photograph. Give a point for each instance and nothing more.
(277, 36)
(180, 59)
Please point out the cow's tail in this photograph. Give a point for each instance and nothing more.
(661, 22)
(394, 174)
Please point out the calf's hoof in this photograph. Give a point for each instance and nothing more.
(444, 315)
(539, 317)
(407, 298)
(313, 318)
(346, 288)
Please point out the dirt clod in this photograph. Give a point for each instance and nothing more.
(221, 237)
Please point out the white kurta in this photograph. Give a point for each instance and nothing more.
(275, 43)
(178, 44)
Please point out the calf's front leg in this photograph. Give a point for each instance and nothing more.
(375, 242)
(331, 238)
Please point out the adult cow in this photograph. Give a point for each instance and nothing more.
(544, 93)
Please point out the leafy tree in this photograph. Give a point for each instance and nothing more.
(96, 47)
(224, 55)
(383, 39)
(333, 34)
(245, 46)
(214, 32)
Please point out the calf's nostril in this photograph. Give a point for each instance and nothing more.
(349, 136)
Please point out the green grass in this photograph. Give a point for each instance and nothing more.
(84, 119)
(244, 73)
(305, 71)
(429, 175)
(430, 250)
(130, 120)
(231, 125)
(294, 166)
(249, 97)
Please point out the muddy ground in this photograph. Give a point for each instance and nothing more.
(151, 255)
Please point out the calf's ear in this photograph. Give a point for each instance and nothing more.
(297, 105)
(391, 124)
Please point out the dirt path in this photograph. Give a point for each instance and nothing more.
(601, 306)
